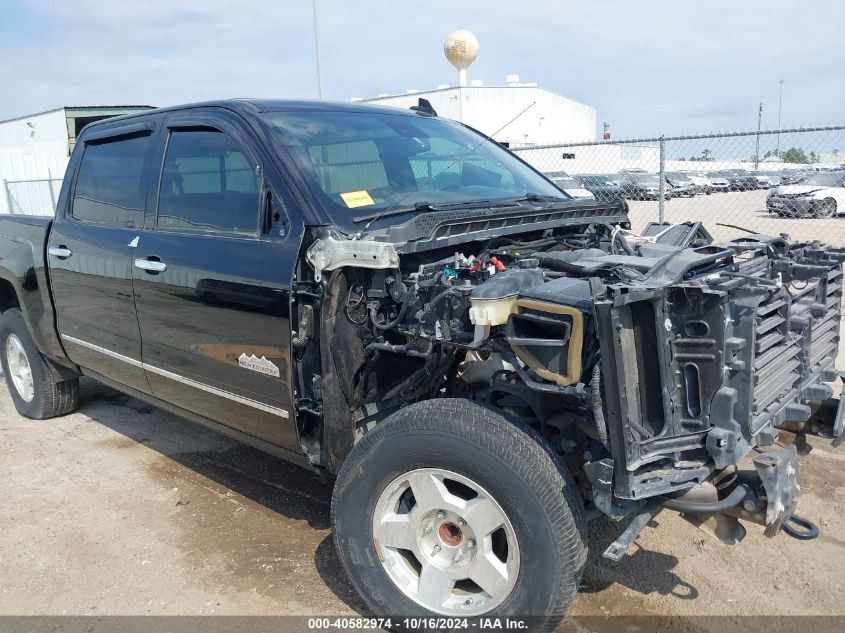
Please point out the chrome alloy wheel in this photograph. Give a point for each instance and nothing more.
(445, 542)
(20, 370)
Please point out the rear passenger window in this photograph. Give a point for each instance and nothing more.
(208, 185)
(111, 185)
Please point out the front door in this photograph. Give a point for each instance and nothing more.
(212, 290)
(89, 255)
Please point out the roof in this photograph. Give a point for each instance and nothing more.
(257, 106)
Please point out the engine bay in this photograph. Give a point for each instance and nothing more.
(647, 361)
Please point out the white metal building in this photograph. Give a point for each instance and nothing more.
(553, 118)
(34, 152)
(607, 158)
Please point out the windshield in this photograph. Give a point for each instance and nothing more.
(824, 180)
(678, 177)
(363, 163)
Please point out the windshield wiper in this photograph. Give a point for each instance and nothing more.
(428, 207)
(536, 197)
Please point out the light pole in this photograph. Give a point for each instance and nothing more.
(317, 52)
(759, 123)
(780, 107)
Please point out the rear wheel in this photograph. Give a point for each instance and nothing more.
(449, 508)
(34, 389)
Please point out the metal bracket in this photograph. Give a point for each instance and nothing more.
(839, 421)
(616, 550)
(328, 253)
(779, 474)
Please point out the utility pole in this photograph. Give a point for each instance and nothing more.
(759, 123)
(780, 107)
(317, 52)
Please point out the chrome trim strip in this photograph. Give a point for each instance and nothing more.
(217, 392)
(103, 350)
(187, 381)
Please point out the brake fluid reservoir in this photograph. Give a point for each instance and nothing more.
(492, 302)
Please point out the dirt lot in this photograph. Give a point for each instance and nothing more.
(123, 509)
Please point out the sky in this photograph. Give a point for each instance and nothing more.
(648, 66)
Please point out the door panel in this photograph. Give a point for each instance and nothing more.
(89, 256)
(212, 295)
(216, 331)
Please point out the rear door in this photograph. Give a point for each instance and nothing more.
(89, 252)
(212, 287)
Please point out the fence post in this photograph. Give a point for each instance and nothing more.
(50, 187)
(662, 196)
(8, 195)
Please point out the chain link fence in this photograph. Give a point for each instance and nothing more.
(765, 181)
(31, 197)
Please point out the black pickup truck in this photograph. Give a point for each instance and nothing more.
(393, 299)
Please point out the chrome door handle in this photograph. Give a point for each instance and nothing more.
(150, 265)
(62, 252)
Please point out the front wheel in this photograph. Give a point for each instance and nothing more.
(449, 508)
(36, 392)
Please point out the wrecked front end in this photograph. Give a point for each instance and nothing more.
(655, 365)
(704, 359)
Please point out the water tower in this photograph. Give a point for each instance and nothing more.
(461, 49)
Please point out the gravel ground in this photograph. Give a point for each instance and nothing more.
(742, 208)
(122, 509)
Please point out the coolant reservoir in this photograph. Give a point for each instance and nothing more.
(492, 302)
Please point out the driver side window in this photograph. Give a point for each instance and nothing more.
(207, 185)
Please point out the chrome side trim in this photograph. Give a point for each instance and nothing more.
(102, 350)
(217, 392)
(186, 381)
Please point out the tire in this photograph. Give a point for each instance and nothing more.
(38, 395)
(827, 208)
(457, 443)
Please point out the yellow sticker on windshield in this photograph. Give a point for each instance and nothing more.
(355, 199)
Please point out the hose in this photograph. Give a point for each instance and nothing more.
(708, 507)
(390, 324)
(598, 411)
(808, 533)
(624, 244)
(399, 349)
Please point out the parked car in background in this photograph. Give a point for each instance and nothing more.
(819, 195)
(791, 176)
(718, 182)
(681, 184)
(763, 179)
(604, 188)
(640, 186)
(740, 180)
(702, 183)
(572, 187)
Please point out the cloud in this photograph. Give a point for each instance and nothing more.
(648, 66)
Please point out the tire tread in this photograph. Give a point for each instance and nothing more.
(524, 451)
